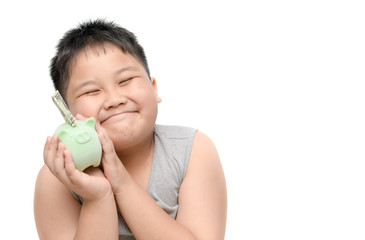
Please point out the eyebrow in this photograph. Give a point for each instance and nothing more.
(125, 69)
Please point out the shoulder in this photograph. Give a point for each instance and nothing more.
(202, 198)
(174, 132)
(204, 155)
(47, 185)
(53, 203)
(174, 143)
(200, 145)
(203, 142)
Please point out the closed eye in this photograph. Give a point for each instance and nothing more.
(91, 92)
(124, 82)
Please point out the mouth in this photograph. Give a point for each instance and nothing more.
(117, 116)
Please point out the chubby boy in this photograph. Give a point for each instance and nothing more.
(155, 182)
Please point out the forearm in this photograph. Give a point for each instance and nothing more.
(98, 219)
(145, 218)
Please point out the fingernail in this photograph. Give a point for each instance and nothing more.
(54, 139)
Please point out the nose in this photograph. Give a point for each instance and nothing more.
(83, 137)
(114, 99)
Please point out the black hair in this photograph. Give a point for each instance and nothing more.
(91, 34)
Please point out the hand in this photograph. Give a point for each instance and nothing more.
(91, 184)
(112, 166)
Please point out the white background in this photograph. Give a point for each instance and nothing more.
(277, 85)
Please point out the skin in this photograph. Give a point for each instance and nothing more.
(114, 89)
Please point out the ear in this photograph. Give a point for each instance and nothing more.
(154, 85)
(90, 122)
(62, 134)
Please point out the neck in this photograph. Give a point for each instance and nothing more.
(137, 156)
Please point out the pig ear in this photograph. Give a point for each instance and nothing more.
(90, 122)
(61, 134)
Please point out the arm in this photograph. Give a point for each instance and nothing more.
(57, 213)
(202, 201)
(203, 194)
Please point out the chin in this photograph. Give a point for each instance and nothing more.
(125, 133)
(129, 133)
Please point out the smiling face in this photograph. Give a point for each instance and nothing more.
(114, 89)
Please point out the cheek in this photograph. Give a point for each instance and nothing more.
(146, 100)
(144, 94)
(85, 109)
(150, 106)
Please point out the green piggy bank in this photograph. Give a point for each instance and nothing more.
(83, 143)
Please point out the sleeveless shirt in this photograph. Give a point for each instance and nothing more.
(171, 156)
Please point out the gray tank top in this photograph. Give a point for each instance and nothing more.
(171, 156)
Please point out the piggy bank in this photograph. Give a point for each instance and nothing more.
(83, 143)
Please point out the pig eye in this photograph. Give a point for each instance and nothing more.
(83, 137)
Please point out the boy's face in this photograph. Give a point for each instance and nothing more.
(114, 89)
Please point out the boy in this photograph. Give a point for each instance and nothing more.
(155, 182)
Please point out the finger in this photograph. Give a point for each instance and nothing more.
(50, 153)
(80, 117)
(46, 146)
(59, 160)
(110, 162)
(94, 171)
(71, 171)
(106, 144)
(98, 127)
